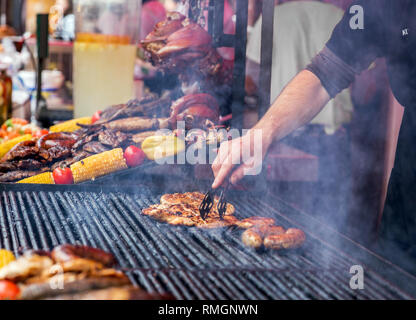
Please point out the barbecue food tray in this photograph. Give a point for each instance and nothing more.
(191, 263)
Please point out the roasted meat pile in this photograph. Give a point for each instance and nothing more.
(118, 127)
(180, 46)
(71, 272)
(183, 209)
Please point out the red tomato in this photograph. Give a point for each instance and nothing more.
(134, 156)
(96, 116)
(40, 133)
(8, 290)
(63, 176)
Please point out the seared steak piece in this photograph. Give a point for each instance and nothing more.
(183, 209)
(112, 138)
(22, 150)
(95, 147)
(20, 174)
(58, 152)
(79, 155)
(29, 164)
(87, 137)
(7, 166)
(43, 290)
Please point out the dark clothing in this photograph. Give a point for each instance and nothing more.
(389, 31)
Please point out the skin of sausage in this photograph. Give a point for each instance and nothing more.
(252, 238)
(256, 221)
(291, 239)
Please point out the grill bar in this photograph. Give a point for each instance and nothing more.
(191, 263)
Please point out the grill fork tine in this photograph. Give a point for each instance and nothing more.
(206, 204)
(222, 203)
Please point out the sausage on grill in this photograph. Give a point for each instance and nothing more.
(67, 252)
(256, 221)
(273, 237)
(291, 239)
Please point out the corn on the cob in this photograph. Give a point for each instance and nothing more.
(6, 257)
(98, 165)
(6, 146)
(43, 178)
(69, 126)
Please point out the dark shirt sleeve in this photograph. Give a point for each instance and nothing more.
(350, 51)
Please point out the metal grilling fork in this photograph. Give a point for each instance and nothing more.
(208, 202)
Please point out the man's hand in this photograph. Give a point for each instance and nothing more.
(244, 154)
(302, 99)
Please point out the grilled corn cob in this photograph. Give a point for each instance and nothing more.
(6, 146)
(69, 126)
(6, 257)
(43, 178)
(98, 165)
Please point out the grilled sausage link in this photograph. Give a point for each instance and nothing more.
(252, 238)
(67, 252)
(255, 221)
(291, 239)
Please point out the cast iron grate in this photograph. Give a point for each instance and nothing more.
(192, 263)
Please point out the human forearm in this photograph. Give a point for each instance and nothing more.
(302, 99)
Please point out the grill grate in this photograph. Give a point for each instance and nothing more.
(193, 263)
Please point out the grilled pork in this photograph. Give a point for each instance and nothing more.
(183, 209)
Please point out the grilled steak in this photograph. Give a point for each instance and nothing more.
(43, 290)
(193, 199)
(7, 166)
(183, 209)
(95, 147)
(111, 138)
(20, 174)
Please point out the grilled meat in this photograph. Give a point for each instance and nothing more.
(70, 286)
(183, 209)
(7, 166)
(20, 174)
(273, 237)
(291, 239)
(29, 164)
(252, 238)
(192, 199)
(67, 252)
(25, 267)
(256, 221)
(77, 156)
(24, 149)
(58, 152)
(140, 137)
(95, 147)
(122, 293)
(195, 110)
(111, 138)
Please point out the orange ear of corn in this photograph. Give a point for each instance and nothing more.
(70, 126)
(98, 165)
(43, 178)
